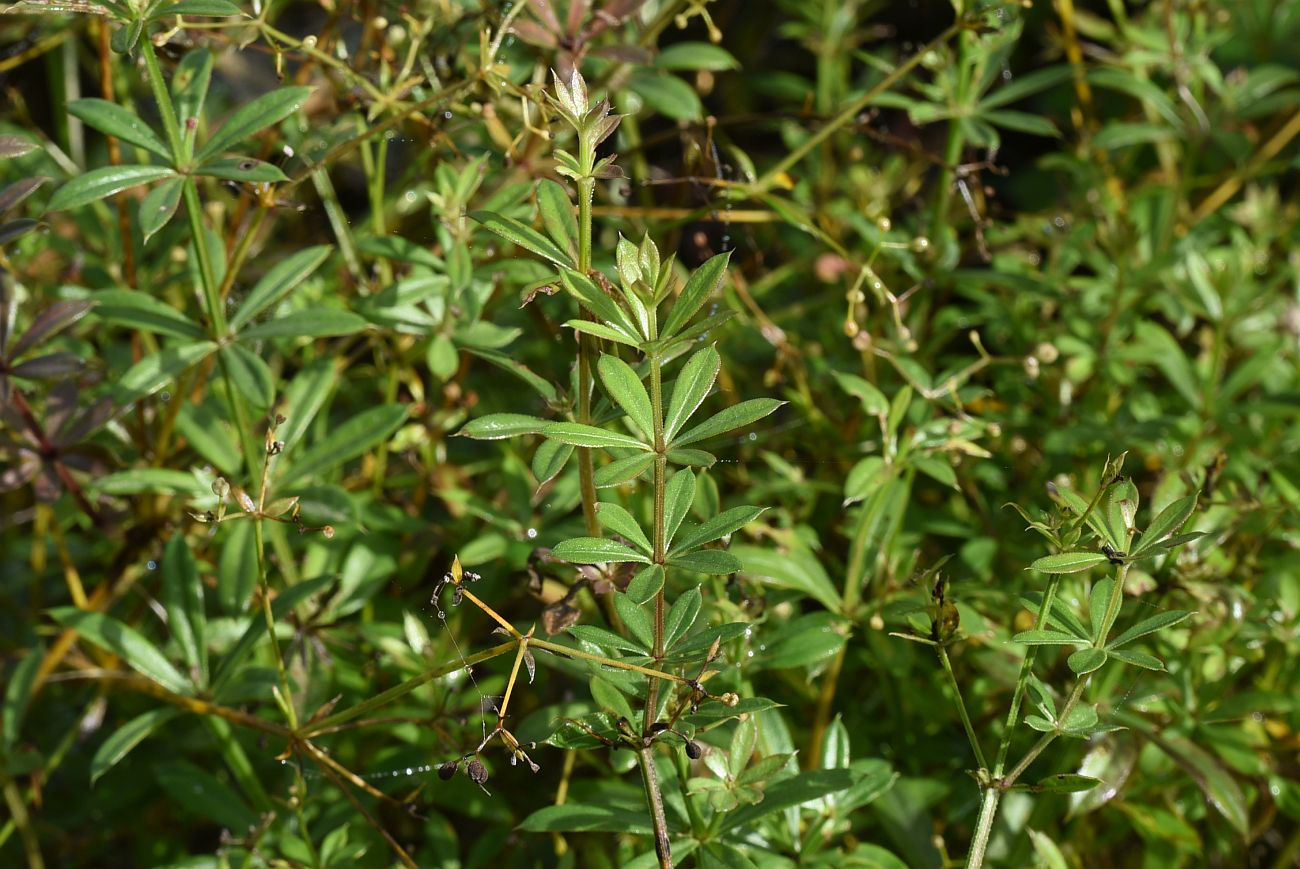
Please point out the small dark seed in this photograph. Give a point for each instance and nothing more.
(693, 750)
(448, 769)
(477, 772)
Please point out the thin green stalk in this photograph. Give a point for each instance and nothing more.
(586, 353)
(961, 707)
(18, 811)
(650, 780)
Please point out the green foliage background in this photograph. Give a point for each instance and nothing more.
(977, 251)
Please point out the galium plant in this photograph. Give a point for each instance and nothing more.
(1109, 522)
(652, 434)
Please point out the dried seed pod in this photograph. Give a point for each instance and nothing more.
(477, 772)
(448, 769)
(693, 750)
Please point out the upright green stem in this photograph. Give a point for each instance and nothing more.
(961, 707)
(586, 352)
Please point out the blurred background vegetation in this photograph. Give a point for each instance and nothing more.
(978, 248)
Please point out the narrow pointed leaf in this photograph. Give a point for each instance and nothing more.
(556, 209)
(254, 117)
(496, 426)
(120, 742)
(99, 183)
(242, 169)
(309, 323)
(691, 388)
(734, 417)
(1065, 783)
(124, 641)
(596, 550)
(199, 8)
(155, 371)
(681, 616)
(623, 385)
(600, 330)
(594, 299)
(711, 561)
(183, 599)
(345, 442)
(144, 312)
(17, 697)
(589, 436)
(283, 277)
(679, 495)
(18, 191)
(1157, 622)
(159, 206)
(114, 120)
(50, 322)
(614, 518)
(1137, 659)
(522, 235)
(635, 618)
(717, 527)
(549, 460)
(1098, 602)
(606, 639)
(1086, 660)
(646, 584)
(1047, 638)
(1170, 521)
(250, 373)
(701, 284)
(1068, 562)
(622, 470)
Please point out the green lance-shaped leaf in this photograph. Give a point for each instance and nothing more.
(198, 8)
(549, 459)
(1157, 622)
(1086, 660)
(155, 371)
(589, 436)
(1098, 604)
(190, 86)
(608, 333)
(606, 639)
(873, 400)
(252, 118)
(628, 392)
(99, 183)
(614, 518)
(621, 471)
(557, 216)
(128, 736)
(691, 388)
(1065, 783)
(636, 619)
(183, 599)
(731, 418)
(1137, 659)
(242, 169)
(701, 284)
(125, 642)
(646, 584)
(596, 550)
(711, 561)
(114, 120)
(310, 323)
(283, 277)
(594, 299)
(349, 440)
(717, 527)
(681, 616)
(159, 206)
(250, 373)
(1038, 637)
(522, 235)
(145, 313)
(17, 697)
(1170, 521)
(679, 495)
(1068, 562)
